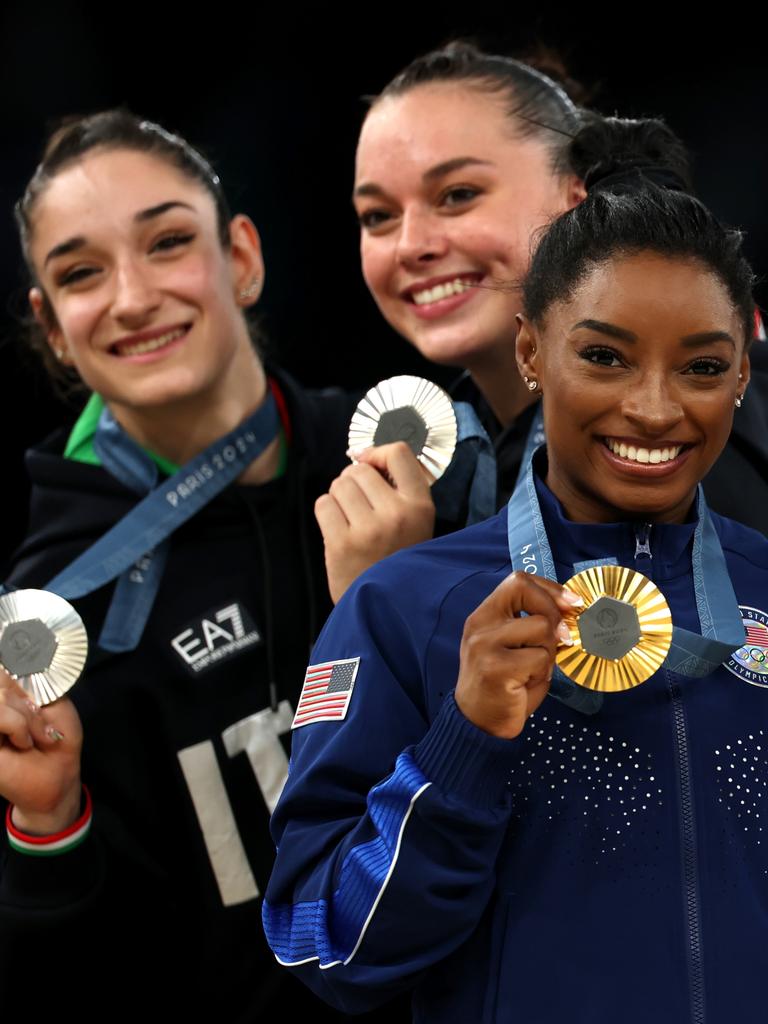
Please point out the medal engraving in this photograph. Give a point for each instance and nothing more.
(402, 424)
(27, 647)
(43, 643)
(622, 636)
(408, 409)
(609, 628)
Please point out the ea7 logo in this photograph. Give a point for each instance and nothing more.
(219, 634)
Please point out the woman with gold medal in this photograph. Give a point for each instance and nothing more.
(533, 787)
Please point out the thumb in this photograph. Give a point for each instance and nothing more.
(399, 465)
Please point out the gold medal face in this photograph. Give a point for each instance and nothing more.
(622, 635)
(408, 409)
(43, 643)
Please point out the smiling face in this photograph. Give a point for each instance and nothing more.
(639, 370)
(145, 299)
(448, 197)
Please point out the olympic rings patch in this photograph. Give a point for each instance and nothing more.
(750, 661)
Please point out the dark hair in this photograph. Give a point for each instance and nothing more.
(638, 199)
(68, 143)
(539, 106)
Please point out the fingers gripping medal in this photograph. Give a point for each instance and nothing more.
(408, 409)
(43, 643)
(623, 633)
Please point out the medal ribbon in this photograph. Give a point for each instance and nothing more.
(135, 549)
(690, 654)
(472, 468)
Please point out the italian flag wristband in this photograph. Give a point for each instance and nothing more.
(56, 844)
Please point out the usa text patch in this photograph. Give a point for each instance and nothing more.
(327, 692)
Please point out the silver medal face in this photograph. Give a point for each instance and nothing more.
(43, 643)
(409, 409)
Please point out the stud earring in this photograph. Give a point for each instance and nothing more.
(59, 353)
(530, 384)
(737, 403)
(250, 291)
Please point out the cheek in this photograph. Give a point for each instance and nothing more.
(77, 319)
(376, 265)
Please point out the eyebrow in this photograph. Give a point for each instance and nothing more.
(698, 340)
(78, 241)
(605, 328)
(458, 163)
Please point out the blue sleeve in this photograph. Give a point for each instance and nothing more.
(391, 820)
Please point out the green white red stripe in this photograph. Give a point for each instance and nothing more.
(53, 845)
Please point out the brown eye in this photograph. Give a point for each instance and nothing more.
(460, 195)
(372, 219)
(75, 275)
(601, 356)
(708, 367)
(168, 242)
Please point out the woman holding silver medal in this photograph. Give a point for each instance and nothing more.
(599, 856)
(462, 158)
(177, 516)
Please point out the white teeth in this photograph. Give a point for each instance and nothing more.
(441, 291)
(152, 344)
(643, 455)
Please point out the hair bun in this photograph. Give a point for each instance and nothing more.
(618, 155)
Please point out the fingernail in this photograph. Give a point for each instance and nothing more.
(53, 734)
(354, 453)
(575, 599)
(564, 635)
(34, 708)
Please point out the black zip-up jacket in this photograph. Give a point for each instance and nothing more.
(159, 910)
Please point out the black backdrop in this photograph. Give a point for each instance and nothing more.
(273, 97)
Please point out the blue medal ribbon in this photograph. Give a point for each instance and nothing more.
(135, 549)
(534, 440)
(690, 654)
(472, 471)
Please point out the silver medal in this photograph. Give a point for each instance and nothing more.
(409, 409)
(43, 643)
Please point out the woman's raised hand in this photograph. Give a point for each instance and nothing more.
(39, 760)
(507, 657)
(373, 508)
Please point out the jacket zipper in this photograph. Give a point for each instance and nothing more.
(644, 564)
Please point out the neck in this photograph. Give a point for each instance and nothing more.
(180, 429)
(498, 378)
(585, 507)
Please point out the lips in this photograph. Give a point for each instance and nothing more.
(147, 341)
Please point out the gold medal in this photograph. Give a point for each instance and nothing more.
(43, 643)
(408, 409)
(622, 635)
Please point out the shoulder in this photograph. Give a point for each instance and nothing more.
(741, 542)
(319, 422)
(71, 504)
(746, 555)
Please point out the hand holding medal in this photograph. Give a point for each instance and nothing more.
(508, 652)
(43, 646)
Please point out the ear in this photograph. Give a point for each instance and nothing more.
(574, 191)
(527, 349)
(43, 314)
(246, 260)
(744, 374)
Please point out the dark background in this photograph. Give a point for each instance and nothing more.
(273, 97)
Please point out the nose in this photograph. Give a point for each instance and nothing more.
(422, 238)
(135, 297)
(653, 405)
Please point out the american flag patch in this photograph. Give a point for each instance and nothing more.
(757, 633)
(327, 692)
